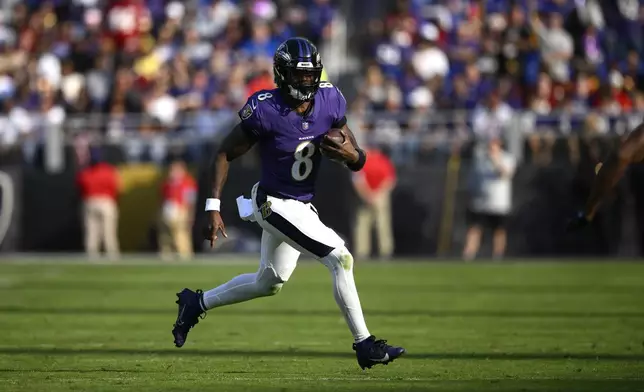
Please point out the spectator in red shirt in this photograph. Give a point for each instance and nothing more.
(99, 187)
(374, 184)
(618, 94)
(128, 21)
(179, 193)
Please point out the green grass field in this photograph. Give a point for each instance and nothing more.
(467, 327)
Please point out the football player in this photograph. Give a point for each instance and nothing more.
(630, 150)
(289, 124)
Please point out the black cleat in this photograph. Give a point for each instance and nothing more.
(190, 312)
(372, 352)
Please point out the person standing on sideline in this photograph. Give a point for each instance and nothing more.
(490, 197)
(179, 193)
(99, 186)
(374, 185)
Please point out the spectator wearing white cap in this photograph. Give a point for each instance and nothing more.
(49, 70)
(429, 60)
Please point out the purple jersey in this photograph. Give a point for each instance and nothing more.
(289, 142)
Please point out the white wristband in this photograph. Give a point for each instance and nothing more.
(213, 204)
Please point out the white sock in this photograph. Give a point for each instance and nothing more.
(239, 289)
(340, 263)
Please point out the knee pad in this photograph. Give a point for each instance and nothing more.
(339, 258)
(268, 282)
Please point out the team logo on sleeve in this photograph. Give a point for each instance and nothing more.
(246, 111)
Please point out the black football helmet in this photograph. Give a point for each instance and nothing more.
(297, 67)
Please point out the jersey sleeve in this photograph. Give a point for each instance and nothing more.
(251, 120)
(340, 109)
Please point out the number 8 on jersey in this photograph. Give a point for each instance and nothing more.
(303, 165)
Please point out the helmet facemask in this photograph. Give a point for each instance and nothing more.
(300, 83)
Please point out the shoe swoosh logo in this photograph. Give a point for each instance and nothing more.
(180, 317)
(383, 359)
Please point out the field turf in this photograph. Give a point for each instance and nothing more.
(467, 327)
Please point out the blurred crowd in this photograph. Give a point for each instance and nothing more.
(494, 57)
(186, 66)
(164, 60)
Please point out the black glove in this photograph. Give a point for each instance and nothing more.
(578, 222)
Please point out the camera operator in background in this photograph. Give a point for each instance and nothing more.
(490, 197)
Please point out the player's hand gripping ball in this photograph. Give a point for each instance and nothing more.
(335, 135)
(335, 145)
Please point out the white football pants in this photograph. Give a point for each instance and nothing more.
(293, 227)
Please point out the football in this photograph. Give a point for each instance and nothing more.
(336, 135)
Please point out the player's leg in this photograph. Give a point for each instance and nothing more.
(369, 350)
(299, 225)
(278, 260)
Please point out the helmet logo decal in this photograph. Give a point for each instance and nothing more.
(283, 52)
(305, 64)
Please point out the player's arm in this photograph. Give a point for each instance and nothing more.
(349, 151)
(236, 144)
(609, 173)
(612, 170)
